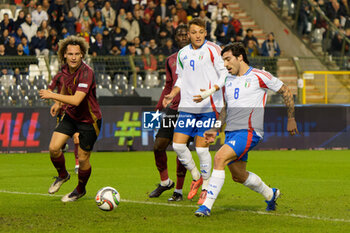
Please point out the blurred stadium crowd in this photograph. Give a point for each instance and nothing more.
(116, 27)
(130, 39)
(312, 22)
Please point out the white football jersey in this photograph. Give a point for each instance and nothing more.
(245, 98)
(197, 69)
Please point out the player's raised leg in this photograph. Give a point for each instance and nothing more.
(160, 157)
(57, 159)
(186, 159)
(254, 182)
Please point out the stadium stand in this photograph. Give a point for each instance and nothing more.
(121, 67)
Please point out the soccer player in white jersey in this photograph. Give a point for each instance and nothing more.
(199, 66)
(245, 99)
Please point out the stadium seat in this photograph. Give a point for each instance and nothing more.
(6, 101)
(2, 91)
(115, 90)
(148, 80)
(15, 92)
(129, 90)
(24, 80)
(7, 81)
(33, 71)
(43, 67)
(162, 80)
(151, 80)
(23, 102)
(139, 81)
(106, 83)
(40, 82)
(116, 78)
(32, 93)
(54, 66)
(3, 11)
(3, 98)
(104, 91)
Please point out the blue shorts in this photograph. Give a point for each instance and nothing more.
(193, 124)
(241, 141)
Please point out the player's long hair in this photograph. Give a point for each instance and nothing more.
(71, 40)
(237, 49)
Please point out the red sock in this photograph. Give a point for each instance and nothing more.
(161, 163)
(60, 165)
(76, 146)
(180, 174)
(83, 177)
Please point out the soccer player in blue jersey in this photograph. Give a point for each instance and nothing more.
(245, 99)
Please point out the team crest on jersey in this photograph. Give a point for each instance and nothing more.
(200, 56)
(247, 83)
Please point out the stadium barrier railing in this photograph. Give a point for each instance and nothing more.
(324, 87)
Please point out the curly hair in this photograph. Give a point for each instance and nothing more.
(71, 40)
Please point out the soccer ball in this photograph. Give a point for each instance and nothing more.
(107, 198)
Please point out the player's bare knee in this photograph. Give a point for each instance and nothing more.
(54, 150)
(219, 160)
(158, 147)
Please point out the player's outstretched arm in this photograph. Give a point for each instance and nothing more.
(289, 102)
(211, 134)
(205, 94)
(74, 100)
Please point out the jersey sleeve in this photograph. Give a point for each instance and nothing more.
(179, 69)
(54, 82)
(215, 53)
(267, 80)
(85, 80)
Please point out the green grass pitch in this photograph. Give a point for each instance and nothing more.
(315, 187)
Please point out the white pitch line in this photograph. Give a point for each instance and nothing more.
(195, 206)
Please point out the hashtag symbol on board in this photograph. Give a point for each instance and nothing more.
(128, 127)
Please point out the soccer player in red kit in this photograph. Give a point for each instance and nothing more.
(165, 135)
(82, 114)
(56, 82)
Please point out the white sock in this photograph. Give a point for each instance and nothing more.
(195, 173)
(205, 184)
(204, 161)
(255, 183)
(165, 182)
(178, 191)
(185, 157)
(216, 182)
